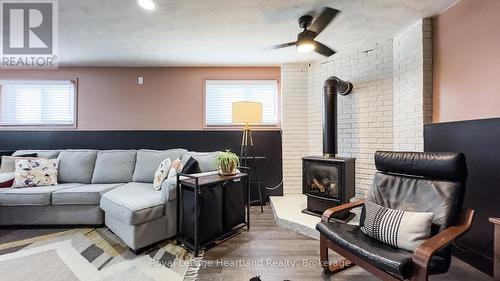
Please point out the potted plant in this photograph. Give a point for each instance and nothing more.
(228, 163)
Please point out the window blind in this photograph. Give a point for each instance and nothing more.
(37, 103)
(221, 94)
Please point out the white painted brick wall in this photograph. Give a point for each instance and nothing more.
(315, 110)
(294, 82)
(365, 116)
(391, 100)
(412, 52)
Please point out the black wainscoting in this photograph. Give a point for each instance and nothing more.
(267, 143)
(479, 140)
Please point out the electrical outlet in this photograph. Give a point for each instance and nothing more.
(140, 80)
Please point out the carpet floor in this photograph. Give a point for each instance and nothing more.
(88, 254)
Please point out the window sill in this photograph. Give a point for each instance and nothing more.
(241, 127)
(37, 127)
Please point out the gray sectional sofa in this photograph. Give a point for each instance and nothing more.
(113, 187)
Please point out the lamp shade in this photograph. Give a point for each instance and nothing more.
(247, 112)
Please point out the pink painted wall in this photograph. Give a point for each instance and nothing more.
(171, 98)
(467, 61)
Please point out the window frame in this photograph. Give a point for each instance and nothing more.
(238, 127)
(36, 127)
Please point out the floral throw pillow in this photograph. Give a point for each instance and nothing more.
(161, 174)
(36, 172)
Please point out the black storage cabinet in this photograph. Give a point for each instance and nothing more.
(210, 225)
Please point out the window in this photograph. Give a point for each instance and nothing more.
(37, 103)
(220, 95)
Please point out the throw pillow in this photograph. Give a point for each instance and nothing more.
(8, 164)
(175, 168)
(161, 174)
(6, 180)
(6, 153)
(400, 229)
(36, 172)
(7, 184)
(191, 167)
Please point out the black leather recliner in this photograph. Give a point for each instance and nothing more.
(411, 181)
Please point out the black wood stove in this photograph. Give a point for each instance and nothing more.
(328, 180)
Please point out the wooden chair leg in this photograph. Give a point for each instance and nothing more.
(420, 274)
(323, 253)
(325, 263)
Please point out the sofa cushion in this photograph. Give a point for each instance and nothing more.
(206, 160)
(76, 166)
(133, 203)
(31, 196)
(47, 154)
(148, 161)
(169, 189)
(87, 194)
(114, 166)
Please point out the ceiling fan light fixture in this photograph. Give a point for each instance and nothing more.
(305, 46)
(146, 4)
(305, 40)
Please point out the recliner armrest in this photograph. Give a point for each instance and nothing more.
(348, 206)
(426, 250)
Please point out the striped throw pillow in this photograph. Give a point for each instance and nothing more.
(400, 229)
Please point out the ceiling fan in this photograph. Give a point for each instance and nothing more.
(305, 40)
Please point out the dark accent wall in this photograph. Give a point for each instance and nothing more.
(479, 140)
(267, 143)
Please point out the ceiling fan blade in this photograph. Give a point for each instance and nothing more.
(322, 49)
(284, 45)
(322, 21)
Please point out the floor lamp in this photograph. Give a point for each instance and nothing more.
(247, 112)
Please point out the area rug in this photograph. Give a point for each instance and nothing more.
(92, 254)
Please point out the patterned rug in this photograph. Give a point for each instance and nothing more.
(90, 254)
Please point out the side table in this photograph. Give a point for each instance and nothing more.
(251, 161)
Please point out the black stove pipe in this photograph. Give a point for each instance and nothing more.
(331, 88)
